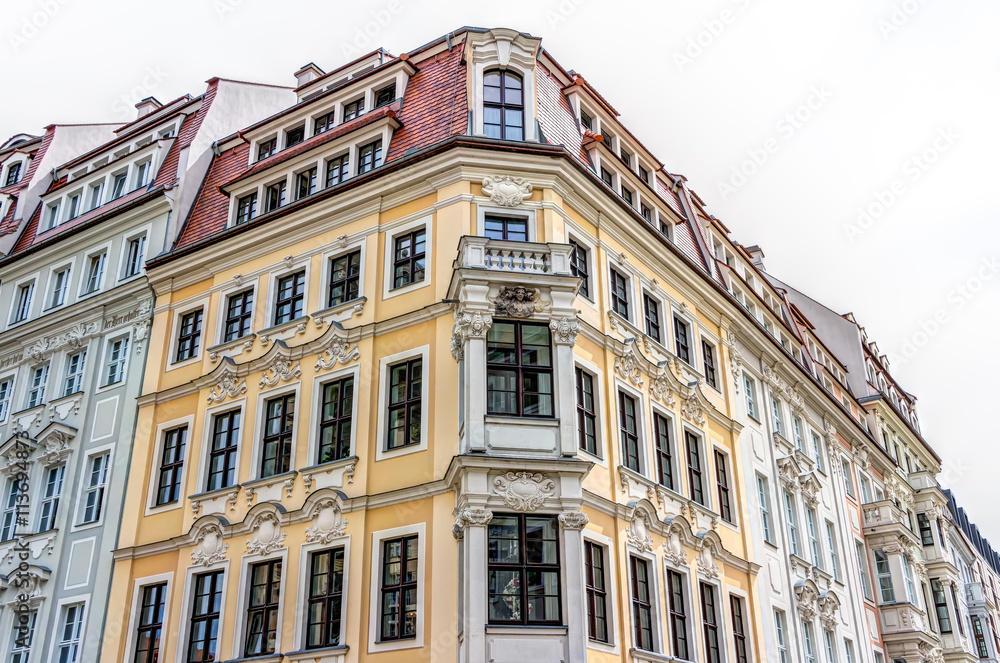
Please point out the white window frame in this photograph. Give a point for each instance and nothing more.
(778, 415)
(610, 582)
(104, 250)
(302, 263)
(375, 597)
(82, 488)
(694, 344)
(106, 358)
(630, 287)
(791, 522)
(52, 215)
(124, 258)
(518, 213)
(50, 290)
(66, 602)
(137, 171)
(706, 466)
(764, 509)
(599, 409)
(748, 631)
(692, 608)
(98, 186)
(79, 376)
(135, 607)
(184, 625)
(831, 539)
(175, 332)
(815, 547)
(306, 551)
(31, 282)
(817, 442)
(381, 453)
(8, 397)
(51, 499)
(527, 75)
(317, 404)
(327, 257)
(750, 397)
(222, 309)
(781, 634)
(656, 580)
(43, 385)
(425, 220)
(157, 458)
(243, 602)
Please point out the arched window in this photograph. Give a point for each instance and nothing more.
(503, 105)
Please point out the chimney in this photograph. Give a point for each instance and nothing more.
(307, 74)
(757, 254)
(147, 106)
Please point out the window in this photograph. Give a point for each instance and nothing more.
(95, 273)
(807, 642)
(607, 177)
(818, 452)
(13, 174)
(274, 196)
(813, 537)
(619, 294)
(6, 388)
(171, 465)
(203, 638)
(779, 636)
(694, 467)
(246, 208)
(345, 278)
(849, 650)
(266, 148)
(797, 432)
(608, 140)
(663, 450)
(115, 365)
(276, 452)
(643, 174)
(354, 109)
(503, 105)
(722, 485)
(626, 157)
(294, 136)
(405, 392)
(52, 219)
(189, 335)
(49, 506)
(335, 424)
(23, 307)
(940, 602)
(222, 456)
(751, 398)
(678, 614)
(337, 169)
(524, 570)
(519, 370)
(793, 528)
(305, 183)
(848, 476)
(628, 431)
(262, 608)
(21, 637)
(118, 185)
(831, 541)
(290, 297)
(977, 631)
(239, 315)
(142, 174)
(627, 196)
(60, 284)
(408, 258)
(369, 156)
(646, 212)
(150, 623)
(765, 508)
(9, 521)
(651, 314)
(326, 588)
(924, 524)
(508, 228)
(74, 206)
(597, 595)
(74, 373)
(958, 610)
(386, 95)
(776, 413)
(710, 623)
(739, 630)
(866, 582)
(911, 594)
(93, 493)
(586, 416)
(884, 576)
(681, 343)
(36, 387)
(586, 120)
(579, 266)
(399, 588)
(324, 123)
(69, 635)
(642, 609)
(134, 256)
(708, 356)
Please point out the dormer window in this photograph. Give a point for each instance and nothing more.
(246, 208)
(370, 156)
(52, 216)
(646, 213)
(266, 148)
(13, 174)
(305, 183)
(627, 158)
(586, 120)
(275, 196)
(96, 194)
(294, 136)
(627, 196)
(142, 174)
(607, 139)
(118, 185)
(503, 105)
(74, 206)
(643, 174)
(386, 95)
(337, 169)
(608, 178)
(324, 123)
(354, 109)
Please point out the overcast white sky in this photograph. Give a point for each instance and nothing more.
(884, 105)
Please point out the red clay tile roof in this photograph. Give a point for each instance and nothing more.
(29, 231)
(7, 224)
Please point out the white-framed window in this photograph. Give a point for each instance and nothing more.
(142, 171)
(779, 636)
(911, 593)
(817, 443)
(589, 409)
(813, 537)
(396, 614)
(288, 294)
(865, 484)
(48, 507)
(697, 467)
(408, 265)
(236, 315)
(95, 481)
(323, 588)
(20, 640)
(884, 575)
(831, 650)
(52, 215)
(779, 426)
(168, 469)
(642, 581)
(134, 255)
(93, 277)
(807, 642)
(797, 432)
(95, 195)
(150, 608)
(845, 466)
(630, 408)
(187, 334)
(751, 397)
(403, 404)
(343, 275)
(581, 264)
(620, 292)
(684, 342)
(258, 629)
(75, 364)
(335, 396)
(599, 589)
(866, 580)
(119, 180)
(764, 502)
(831, 542)
(74, 205)
(69, 634)
(274, 445)
(115, 360)
(8, 517)
(36, 385)
(6, 391)
(22, 302)
(502, 223)
(60, 285)
(792, 522)
(221, 440)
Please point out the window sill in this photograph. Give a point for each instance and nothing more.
(321, 652)
(356, 306)
(267, 482)
(245, 341)
(522, 421)
(212, 494)
(298, 324)
(330, 465)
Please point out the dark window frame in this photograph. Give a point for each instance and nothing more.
(168, 484)
(619, 292)
(189, 335)
(246, 208)
(210, 616)
(739, 629)
(330, 603)
(505, 230)
(579, 266)
(708, 357)
(677, 614)
(370, 156)
(266, 148)
(642, 604)
(523, 567)
(924, 525)
(940, 599)
(682, 340)
(584, 414)
(385, 95)
(628, 429)
(353, 109)
(710, 622)
(239, 318)
(722, 486)
(595, 584)
(338, 169)
(295, 136)
(696, 479)
(412, 261)
(276, 444)
(342, 418)
(651, 316)
(229, 436)
(349, 281)
(307, 177)
(399, 588)
(149, 625)
(324, 122)
(523, 373)
(266, 609)
(504, 106)
(289, 306)
(407, 404)
(663, 448)
(275, 195)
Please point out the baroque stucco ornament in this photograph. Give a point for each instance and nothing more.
(638, 531)
(338, 352)
(228, 386)
(692, 411)
(564, 331)
(209, 546)
(518, 301)
(281, 369)
(706, 558)
(470, 517)
(524, 491)
(573, 520)
(267, 535)
(505, 190)
(328, 522)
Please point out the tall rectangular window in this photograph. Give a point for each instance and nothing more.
(586, 412)
(118, 185)
(405, 392)
(708, 357)
(514, 229)
(619, 294)
(579, 265)
(36, 386)
(266, 148)
(911, 592)
(326, 598)
(776, 414)
(748, 391)
(849, 650)
(845, 465)
(958, 610)
(23, 307)
(642, 605)
(20, 639)
(93, 493)
(682, 343)
(70, 632)
(246, 208)
(866, 581)
(338, 169)
(597, 593)
(807, 642)
(75, 364)
(651, 316)
(135, 255)
(222, 456)
(628, 427)
(831, 542)
(189, 335)
(926, 535)
(290, 297)
(369, 156)
(335, 422)
(206, 604)
(399, 589)
(977, 632)
(149, 626)
(142, 174)
(677, 614)
(797, 432)
(831, 651)
(239, 315)
(779, 636)
(524, 570)
(8, 523)
(940, 602)
(6, 389)
(13, 174)
(52, 491)
(694, 467)
(793, 527)
(276, 448)
(710, 624)
(739, 630)
(409, 254)
(114, 368)
(95, 273)
(722, 486)
(817, 452)
(519, 370)
(765, 508)
(664, 445)
(168, 488)
(345, 278)
(262, 608)
(813, 537)
(60, 284)
(305, 183)
(884, 575)
(274, 196)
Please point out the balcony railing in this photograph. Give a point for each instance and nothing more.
(883, 513)
(515, 257)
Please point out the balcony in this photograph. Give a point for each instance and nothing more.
(513, 257)
(885, 517)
